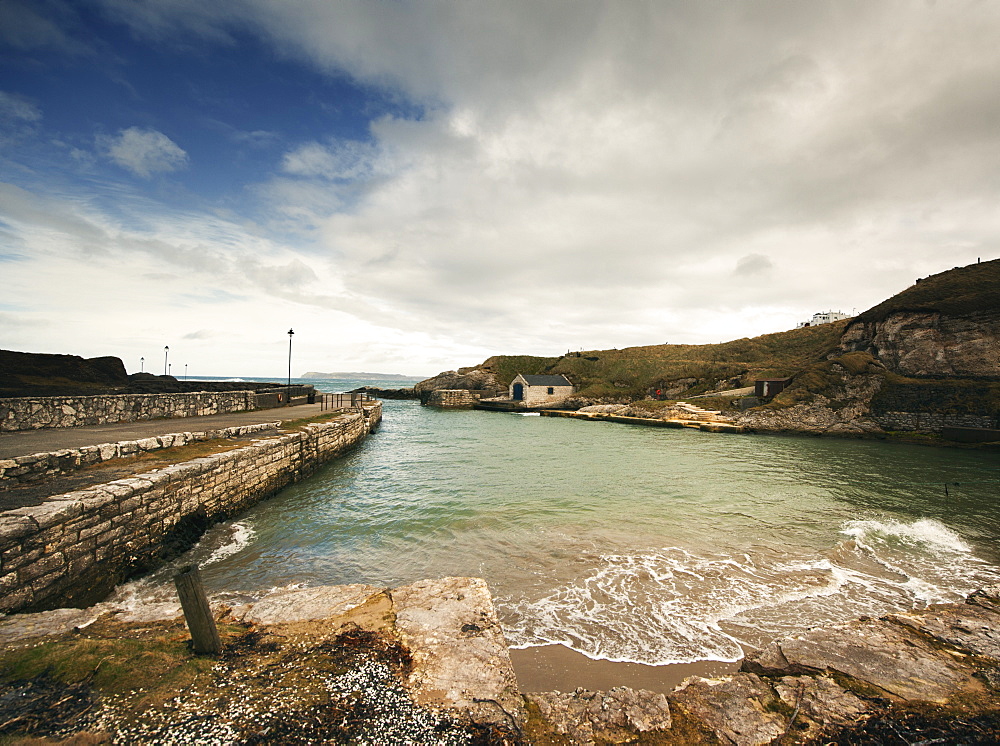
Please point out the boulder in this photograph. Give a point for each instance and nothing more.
(876, 651)
(743, 710)
(460, 657)
(615, 716)
(967, 626)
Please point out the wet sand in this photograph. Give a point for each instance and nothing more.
(557, 668)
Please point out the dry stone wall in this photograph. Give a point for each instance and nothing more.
(74, 411)
(452, 398)
(930, 422)
(32, 468)
(74, 548)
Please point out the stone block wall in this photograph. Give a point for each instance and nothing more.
(74, 548)
(25, 469)
(930, 421)
(73, 411)
(452, 398)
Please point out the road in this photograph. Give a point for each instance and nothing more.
(25, 442)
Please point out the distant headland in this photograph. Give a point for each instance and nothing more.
(365, 376)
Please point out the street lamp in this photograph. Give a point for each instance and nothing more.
(290, 333)
(166, 354)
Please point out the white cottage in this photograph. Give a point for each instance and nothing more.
(534, 390)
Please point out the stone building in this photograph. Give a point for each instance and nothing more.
(535, 390)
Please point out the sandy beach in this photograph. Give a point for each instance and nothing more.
(557, 668)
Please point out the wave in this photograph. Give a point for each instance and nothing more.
(677, 606)
(240, 537)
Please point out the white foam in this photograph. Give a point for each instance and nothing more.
(925, 533)
(678, 606)
(242, 535)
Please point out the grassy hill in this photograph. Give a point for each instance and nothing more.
(956, 292)
(686, 370)
(633, 371)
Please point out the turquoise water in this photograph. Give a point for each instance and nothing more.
(627, 543)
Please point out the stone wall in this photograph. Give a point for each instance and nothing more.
(25, 469)
(930, 421)
(452, 398)
(74, 411)
(74, 548)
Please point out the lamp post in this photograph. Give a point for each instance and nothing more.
(142, 365)
(290, 333)
(166, 354)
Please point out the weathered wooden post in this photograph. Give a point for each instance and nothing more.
(197, 612)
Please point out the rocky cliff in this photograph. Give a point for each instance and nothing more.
(473, 378)
(945, 325)
(931, 344)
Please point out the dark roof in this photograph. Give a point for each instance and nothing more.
(546, 380)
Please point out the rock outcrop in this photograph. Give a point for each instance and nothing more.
(931, 675)
(834, 399)
(946, 325)
(931, 344)
(473, 379)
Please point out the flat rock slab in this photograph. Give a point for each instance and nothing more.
(23, 626)
(741, 710)
(305, 604)
(966, 626)
(614, 716)
(460, 657)
(876, 651)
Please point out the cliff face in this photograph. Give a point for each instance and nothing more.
(945, 325)
(930, 343)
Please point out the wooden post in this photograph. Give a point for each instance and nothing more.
(197, 613)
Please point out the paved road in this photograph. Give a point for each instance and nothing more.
(55, 439)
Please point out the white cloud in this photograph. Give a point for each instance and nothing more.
(339, 160)
(145, 152)
(18, 108)
(595, 174)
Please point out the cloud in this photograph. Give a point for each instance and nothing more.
(40, 24)
(587, 174)
(19, 118)
(340, 160)
(753, 264)
(145, 152)
(200, 334)
(18, 108)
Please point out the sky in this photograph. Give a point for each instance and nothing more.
(413, 186)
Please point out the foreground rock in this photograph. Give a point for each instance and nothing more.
(616, 716)
(427, 663)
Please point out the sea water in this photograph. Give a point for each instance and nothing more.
(624, 543)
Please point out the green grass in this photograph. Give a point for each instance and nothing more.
(957, 292)
(631, 372)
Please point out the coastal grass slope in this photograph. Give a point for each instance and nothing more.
(632, 372)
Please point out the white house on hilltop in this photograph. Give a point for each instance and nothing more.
(823, 317)
(534, 390)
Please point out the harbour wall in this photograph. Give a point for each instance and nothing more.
(452, 398)
(33, 413)
(35, 467)
(930, 421)
(71, 550)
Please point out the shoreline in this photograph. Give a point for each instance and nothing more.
(555, 667)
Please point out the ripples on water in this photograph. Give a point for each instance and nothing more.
(638, 544)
